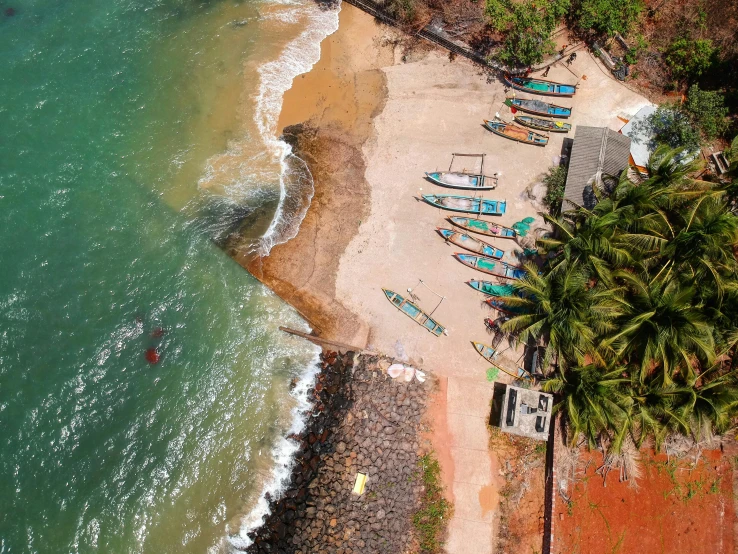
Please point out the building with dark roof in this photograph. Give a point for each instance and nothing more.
(526, 412)
(596, 150)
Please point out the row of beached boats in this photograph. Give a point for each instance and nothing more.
(540, 111)
(481, 255)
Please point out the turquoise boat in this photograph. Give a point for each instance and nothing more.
(467, 204)
(515, 132)
(491, 288)
(490, 266)
(543, 124)
(488, 353)
(412, 311)
(483, 227)
(539, 86)
(538, 107)
(457, 180)
(470, 243)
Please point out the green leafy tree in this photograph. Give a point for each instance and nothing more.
(555, 181)
(671, 126)
(527, 27)
(609, 16)
(688, 59)
(708, 110)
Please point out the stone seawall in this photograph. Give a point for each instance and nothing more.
(363, 421)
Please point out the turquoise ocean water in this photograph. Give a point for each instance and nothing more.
(113, 117)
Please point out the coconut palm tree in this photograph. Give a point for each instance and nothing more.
(564, 310)
(593, 403)
(661, 329)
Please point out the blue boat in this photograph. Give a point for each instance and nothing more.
(539, 86)
(411, 310)
(458, 180)
(538, 107)
(466, 204)
(470, 243)
(491, 266)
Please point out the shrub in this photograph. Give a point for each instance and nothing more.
(555, 182)
(404, 10)
(528, 26)
(435, 511)
(609, 16)
(688, 59)
(707, 110)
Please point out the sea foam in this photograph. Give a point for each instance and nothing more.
(296, 191)
(295, 183)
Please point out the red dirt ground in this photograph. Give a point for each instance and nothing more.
(674, 510)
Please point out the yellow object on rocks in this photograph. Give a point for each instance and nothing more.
(360, 483)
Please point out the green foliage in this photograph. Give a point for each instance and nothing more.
(638, 302)
(555, 182)
(430, 520)
(632, 55)
(527, 27)
(404, 10)
(708, 111)
(688, 59)
(609, 16)
(672, 126)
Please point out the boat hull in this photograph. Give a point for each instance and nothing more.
(540, 86)
(483, 227)
(513, 132)
(537, 107)
(411, 310)
(535, 123)
(487, 352)
(466, 204)
(470, 243)
(490, 266)
(456, 180)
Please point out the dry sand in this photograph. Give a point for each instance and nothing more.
(375, 124)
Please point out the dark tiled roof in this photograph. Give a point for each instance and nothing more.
(595, 148)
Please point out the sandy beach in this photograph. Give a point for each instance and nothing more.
(373, 121)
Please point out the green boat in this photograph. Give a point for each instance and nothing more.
(543, 124)
(539, 86)
(411, 310)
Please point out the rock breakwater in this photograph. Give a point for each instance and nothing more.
(363, 422)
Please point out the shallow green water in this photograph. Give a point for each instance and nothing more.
(108, 113)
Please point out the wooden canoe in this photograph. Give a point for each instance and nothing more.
(539, 86)
(514, 132)
(538, 107)
(411, 310)
(467, 181)
(467, 204)
(488, 353)
(490, 266)
(483, 227)
(470, 243)
(543, 124)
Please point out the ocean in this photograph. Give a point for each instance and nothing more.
(134, 136)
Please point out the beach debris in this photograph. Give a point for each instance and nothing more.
(359, 484)
(492, 373)
(409, 373)
(152, 356)
(395, 370)
(420, 376)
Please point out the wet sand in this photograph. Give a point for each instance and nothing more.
(327, 117)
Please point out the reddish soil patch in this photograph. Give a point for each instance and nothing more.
(676, 508)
